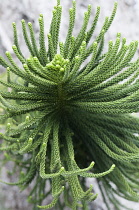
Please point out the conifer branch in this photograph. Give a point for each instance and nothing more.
(66, 113)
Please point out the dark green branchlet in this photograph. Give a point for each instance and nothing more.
(69, 106)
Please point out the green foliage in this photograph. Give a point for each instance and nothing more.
(63, 113)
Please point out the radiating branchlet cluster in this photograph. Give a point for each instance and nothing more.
(63, 113)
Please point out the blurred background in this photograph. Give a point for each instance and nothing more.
(126, 22)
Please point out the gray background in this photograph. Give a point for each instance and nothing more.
(126, 22)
